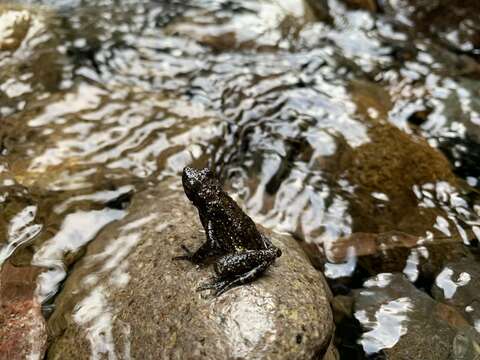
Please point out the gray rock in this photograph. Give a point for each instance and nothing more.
(406, 323)
(127, 298)
(458, 285)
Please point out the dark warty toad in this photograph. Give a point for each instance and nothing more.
(242, 252)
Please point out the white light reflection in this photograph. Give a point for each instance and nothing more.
(9, 22)
(93, 314)
(335, 271)
(99, 196)
(77, 230)
(381, 280)
(449, 286)
(20, 230)
(247, 324)
(388, 326)
(114, 253)
(444, 196)
(411, 266)
(442, 225)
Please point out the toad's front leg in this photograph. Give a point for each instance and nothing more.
(240, 268)
(207, 249)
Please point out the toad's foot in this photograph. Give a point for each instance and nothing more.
(219, 286)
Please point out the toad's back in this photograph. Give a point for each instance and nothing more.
(233, 230)
(224, 221)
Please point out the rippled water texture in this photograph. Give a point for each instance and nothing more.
(354, 126)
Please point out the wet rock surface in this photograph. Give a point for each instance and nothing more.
(29, 55)
(261, 25)
(395, 251)
(459, 31)
(370, 5)
(378, 168)
(424, 328)
(15, 26)
(137, 302)
(23, 331)
(458, 284)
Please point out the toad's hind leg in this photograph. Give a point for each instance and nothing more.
(267, 244)
(222, 285)
(240, 268)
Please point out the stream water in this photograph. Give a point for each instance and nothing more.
(354, 126)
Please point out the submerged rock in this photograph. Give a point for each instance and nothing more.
(370, 5)
(259, 25)
(459, 31)
(23, 333)
(458, 284)
(14, 26)
(406, 323)
(395, 251)
(385, 196)
(401, 221)
(127, 298)
(29, 55)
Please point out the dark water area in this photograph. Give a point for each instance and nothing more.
(353, 125)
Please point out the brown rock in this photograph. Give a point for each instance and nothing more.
(379, 167)
(342, 307)
(22, 327)
(381, 171)
(370, 5)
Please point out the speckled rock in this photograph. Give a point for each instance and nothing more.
(127, 298)
(23, 333)
(406, 323)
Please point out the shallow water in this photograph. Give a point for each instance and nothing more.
(323, 123)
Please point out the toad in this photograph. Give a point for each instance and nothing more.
(242, 252)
